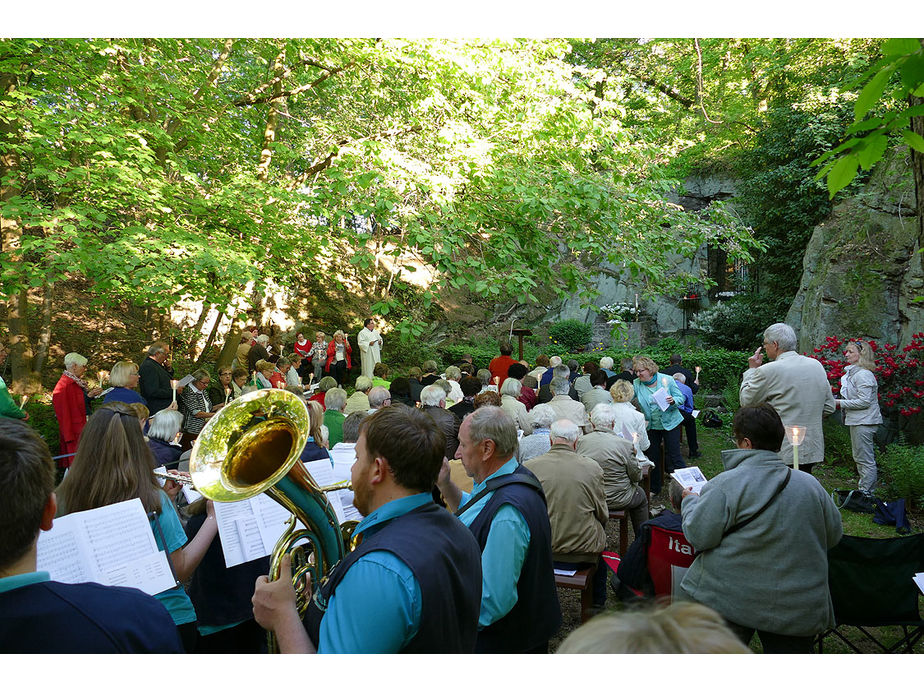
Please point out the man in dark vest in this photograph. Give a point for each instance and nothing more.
(506, 511)
(414, 582)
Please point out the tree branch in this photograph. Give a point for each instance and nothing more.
(258, 95)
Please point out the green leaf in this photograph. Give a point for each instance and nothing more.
(872, 151)
(912, 72)
(842, 173)
(863, 126)
(900, 46)
(913, 140)
(871, 92)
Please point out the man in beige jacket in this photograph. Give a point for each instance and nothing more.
(574, 493)
(796, 386)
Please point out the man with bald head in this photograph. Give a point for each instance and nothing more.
(506, 511)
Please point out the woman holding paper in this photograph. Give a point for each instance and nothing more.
(659, 399)
(114, 464)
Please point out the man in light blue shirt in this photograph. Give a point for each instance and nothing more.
(414, 583)
(506, 512)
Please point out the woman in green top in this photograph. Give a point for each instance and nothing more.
(114, 464)
(663, 425)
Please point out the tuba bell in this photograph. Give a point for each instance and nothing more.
(253, 446)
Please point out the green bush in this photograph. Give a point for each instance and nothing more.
(730, 393)
(902, 467)
(573, 335)
(42, 419)
(837, 442)
(738, 323)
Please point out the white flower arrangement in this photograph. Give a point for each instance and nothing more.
(617, 313)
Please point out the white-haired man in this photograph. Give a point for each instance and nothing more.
(378, 397)
(796, 386)
(574, 491)
(154, 378)
(433, 401)
(606, 364)
(621, 469)
(359, 400)
(564, 406)
(506, 512)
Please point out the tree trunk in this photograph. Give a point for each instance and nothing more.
(232, 341)
(917, 164)
(272, 118)
(211, 338)
(41, 352)
(197, 329)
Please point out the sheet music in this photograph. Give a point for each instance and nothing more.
(239, 531)
(112, 545)
(344, 459)
(323, 474)
(659, 397)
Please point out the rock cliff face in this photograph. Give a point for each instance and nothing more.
(664, 314)
(862, 266)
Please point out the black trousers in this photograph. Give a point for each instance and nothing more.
(338, 369)
(672, 457)
(774, 643)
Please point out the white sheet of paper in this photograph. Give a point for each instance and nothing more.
(323, 474)
(919, 581)
(239, 531)
(660, 398)
(190, 494)
(694, 413)
(562, 571)
(625, 433)
(186, 380)
(690, 477)
(112, 545)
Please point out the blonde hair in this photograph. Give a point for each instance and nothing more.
(644, 362)
(622, 391)
(264, 365)
(680, 628)
(339, 333)
(316, 420)
(121, 372)
(867, 357)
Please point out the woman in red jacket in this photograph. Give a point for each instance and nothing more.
(338, 357)
(71, 400)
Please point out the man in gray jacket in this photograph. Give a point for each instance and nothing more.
(762, 533)
(796, 386)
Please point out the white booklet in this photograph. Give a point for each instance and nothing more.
(690, 477)
(112, 545)
(659, 397)
(249, 529)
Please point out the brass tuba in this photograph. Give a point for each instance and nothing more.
(253, 446)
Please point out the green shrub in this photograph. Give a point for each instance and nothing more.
(737, 323)
(902, 467)
(571, 334)
(730, 393)
(42, 419)
(837, 442)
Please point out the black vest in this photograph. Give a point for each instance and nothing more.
(446, 562)
(536, 616)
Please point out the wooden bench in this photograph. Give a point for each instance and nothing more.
(623, 519)
(583, 581)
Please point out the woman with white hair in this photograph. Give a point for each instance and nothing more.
(124, 379)
(629, 421)
(71, 400)
(258, 352)
(537, 442)
(509, 392)
(453, 376)
(163, 432)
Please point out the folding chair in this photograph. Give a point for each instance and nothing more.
(871, 586)
(669, 556)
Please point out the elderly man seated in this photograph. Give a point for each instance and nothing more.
(621, 470)
(433, 401)
(359, 400)
(573, 487)
(537, 443)
(378, 397)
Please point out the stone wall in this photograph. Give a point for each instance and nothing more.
(862, 268)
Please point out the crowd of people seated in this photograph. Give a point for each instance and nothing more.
(516, 466)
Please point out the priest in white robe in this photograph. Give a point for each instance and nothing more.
(370, 347)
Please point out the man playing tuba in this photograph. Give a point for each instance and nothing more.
(414, 582)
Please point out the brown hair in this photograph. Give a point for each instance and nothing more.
(761, 425)
(487, 398)
(316, 418)
(411, 442)
(112, 464)
(27, 477)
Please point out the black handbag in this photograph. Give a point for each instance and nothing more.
(711, 420)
